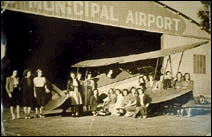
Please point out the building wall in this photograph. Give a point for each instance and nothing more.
(202, 82)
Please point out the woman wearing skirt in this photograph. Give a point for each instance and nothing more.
(39, 93)
(90, 86)
(13, 90)
(74, 94)
(27, 93)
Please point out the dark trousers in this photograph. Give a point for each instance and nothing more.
(142, 110)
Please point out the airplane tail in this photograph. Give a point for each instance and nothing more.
(57, 99)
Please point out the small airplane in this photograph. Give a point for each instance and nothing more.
(125, 78)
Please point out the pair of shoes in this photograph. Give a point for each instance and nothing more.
(41, 116)
(95, 114)
(144, 117)
(37, 116)
(18, 117)
(118, 114)
(28, 117)
(102, 113)
(77, 114)
(188, 115)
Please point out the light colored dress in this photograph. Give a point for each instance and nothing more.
(126, 99)
(119, 104)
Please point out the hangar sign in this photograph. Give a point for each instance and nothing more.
(141, 15)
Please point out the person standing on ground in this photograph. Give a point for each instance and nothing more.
(27, 92)
(90, 87)
(73, 92)
(39, 93)
(81, 89)
(13, 90)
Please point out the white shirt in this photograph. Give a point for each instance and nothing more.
(75, 83)
(39, 81)
(120, 100)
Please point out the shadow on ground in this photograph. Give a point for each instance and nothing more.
(197, 112)
(68, 114)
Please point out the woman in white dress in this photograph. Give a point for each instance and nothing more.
(118, 107)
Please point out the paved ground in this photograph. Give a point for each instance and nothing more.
(198, 124)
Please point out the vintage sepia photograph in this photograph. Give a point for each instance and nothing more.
(105, 68)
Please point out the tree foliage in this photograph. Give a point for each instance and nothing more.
(205, 20)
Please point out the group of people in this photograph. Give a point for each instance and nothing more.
(84, 95)
(30, 92)
(79, 92)
(166, 81)
(27, 91)
(121, 102)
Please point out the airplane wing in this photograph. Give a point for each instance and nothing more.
(137, 57)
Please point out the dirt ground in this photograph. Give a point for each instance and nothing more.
(56, 125)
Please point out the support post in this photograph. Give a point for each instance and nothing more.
(77, 71)
(166, 65)
(156, 67)
(180, 61)
(170, 63)
(86, 73)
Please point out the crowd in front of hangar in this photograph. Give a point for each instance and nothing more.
(83, 95)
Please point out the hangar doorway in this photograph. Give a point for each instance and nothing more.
(54, 44)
